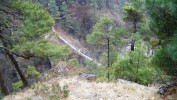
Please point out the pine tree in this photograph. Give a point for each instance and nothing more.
(65, 16)
(53, 9)
(162, 16)
(138, 58)
(105, 31)
(26, 38)
(133, 15)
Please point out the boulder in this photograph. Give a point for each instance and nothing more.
(89, 77)
(168, 89)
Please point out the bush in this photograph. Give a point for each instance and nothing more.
(146, 75)
(122, 68)
(65, 91)
(90, 67)
(51, 91)
(54, 97)
(32, 72)
(102, 79)
(74, 62)
(135, 66)
(164, 62)
(18, 85)
(100, 71)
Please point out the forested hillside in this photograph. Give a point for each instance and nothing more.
(100, 40)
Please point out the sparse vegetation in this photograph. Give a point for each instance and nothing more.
(74, 62)
(51, 91)
(65, 91)
(18, 85)
(32, 72)
(101, 79)
(90, 67)
(79, 89)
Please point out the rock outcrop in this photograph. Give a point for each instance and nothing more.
(168, 89)
(89, 77)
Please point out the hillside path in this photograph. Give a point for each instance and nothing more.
(76, 49)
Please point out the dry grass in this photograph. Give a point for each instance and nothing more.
(79, 89)
(84, 90)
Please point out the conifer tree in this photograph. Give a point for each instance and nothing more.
(133, 15)
(53, 9)
(105, 31)
(163, 23)
(24, 36)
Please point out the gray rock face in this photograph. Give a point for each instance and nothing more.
(89, 77)
(168, 89)
(7, 72)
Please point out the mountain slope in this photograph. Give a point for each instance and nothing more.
(84, 90)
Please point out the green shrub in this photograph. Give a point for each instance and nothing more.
(65, 91)
(74, 62)
(32, 72)
(163, 78)
(90, 67)
(100, 71)
(102, 79)
(54, 97)
(41, 88)
(123, 68)
(50, 91)
(126, 70)
(163, 60)
(146, 75)
(16, 86)
(135, 67)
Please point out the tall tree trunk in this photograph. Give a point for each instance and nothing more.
(12, 58)
(23, 78)
(132, 45)
(49, 62)
(159, 43)
(4, 88)
(108, 57)
(134, 31)
(107, 4)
